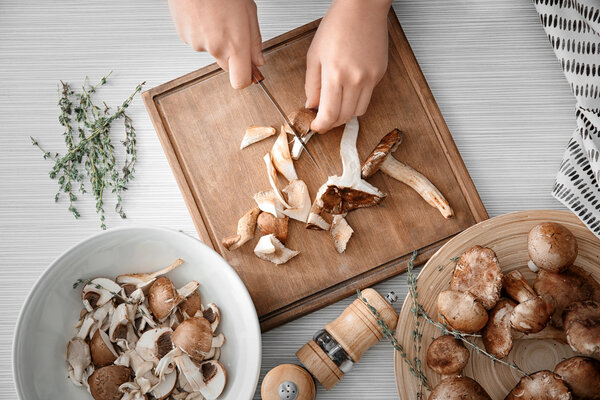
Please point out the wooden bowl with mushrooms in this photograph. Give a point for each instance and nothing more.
(526, 286)
(45, 328)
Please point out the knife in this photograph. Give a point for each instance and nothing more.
(258, 77)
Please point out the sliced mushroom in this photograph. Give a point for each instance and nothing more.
(461, 311)
(349, 191)
(533, 312)
(299, 200)
(145, 278)
(163, 298)
(79, 358)
(214, 378)
(381, 159)
(191, 305)
(301, 119)
(282, 160)
(459, 387)
(154, 344)
(212, 315)
(165, 387)
(269, 248)
(542, 385)
(118, 323)
(245, 230)
(277, 226)
(478, 272)
(272, 174)
(447, 356)
(256, 134)
(194, 337)
(341, 232)
(104, 382)
(99, 291)
(582, 376)
(86, 326)
(497, 335)
(552, 246)
(315, 216)
(268, 202)
(581, 322)
(102, 350)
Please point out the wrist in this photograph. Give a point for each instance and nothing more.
(371, 7)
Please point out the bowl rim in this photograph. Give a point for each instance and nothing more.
(54, 265)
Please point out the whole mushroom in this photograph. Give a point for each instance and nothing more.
(461, 311)
(582, 376)
(497, 334)
(542, 385)
(533, 312)
(552, 246)
(447, 356)
(459, 387)
(104, 382)
(581, 321)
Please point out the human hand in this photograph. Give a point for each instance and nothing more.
(227, 29)
(347, 58)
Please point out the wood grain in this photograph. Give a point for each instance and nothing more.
(200, 121)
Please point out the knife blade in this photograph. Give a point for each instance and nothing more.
(258, 77)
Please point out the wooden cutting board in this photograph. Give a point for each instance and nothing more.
(201, 120)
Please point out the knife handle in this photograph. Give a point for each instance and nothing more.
(257, 76)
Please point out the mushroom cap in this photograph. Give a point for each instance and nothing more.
(582, 376)
(447, 355)
(478, 272)
(387, 145)
(532, 315)
(575, 284)
(552, 246)
(459, 387)
(194, 336)
(581, 322)
(191, 304)
(162, 297)
(340, 200)
(101, 354)
(301, 120)
(542, 385)
(461, 311)
(104, 382)
(497, 335)
(268, 224)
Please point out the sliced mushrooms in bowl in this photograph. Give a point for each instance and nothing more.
(138, 313)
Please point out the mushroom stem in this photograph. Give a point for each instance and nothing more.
(413, 178)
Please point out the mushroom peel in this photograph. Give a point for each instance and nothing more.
(268, 202)
(256, 134)
(581, 375)
(194, 336)
(99, 291)
(542, 385)
(277, 226)
(461, 311)
(245, 230)
(315, 218)
(341, 232)
(269, 248)
(154, 344)
(104, 382)
(349, 191)
(381, 159)
(272, 174)
(301, 120)
(143, 278)
(447, 356)
(459, 387)
(298, 199)
(78, 357)
(281, 158)
(497, 335)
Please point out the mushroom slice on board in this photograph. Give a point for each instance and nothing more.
(281, 158)
(268, 201)
(144, 278)
(154, 344)
(542, 385)
(256, 134)
(381, 159)
(341, 232)
(552, 246)
(104, 382)
(78, 357)
(194, 336)
(497, 335)
(269, 248)
(533, 312)
(99, 291)
(301, 119)
(478, 272)
(245, 230)
(272, 174)
(277, 226)
(349, 191)
(581, 322)
(582, 376)
(461, 311)
(459, 387)
(447, 356)
(315, 218)
(299, 200)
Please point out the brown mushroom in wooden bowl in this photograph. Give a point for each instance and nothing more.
(459, 387)
(447, 356)
(542, 385)
(552, 246)
(582, 376)
(461, 311)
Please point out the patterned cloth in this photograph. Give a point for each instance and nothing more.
(573, 28)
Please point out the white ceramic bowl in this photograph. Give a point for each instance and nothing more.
(52, 308)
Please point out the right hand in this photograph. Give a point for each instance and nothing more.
(227, 29)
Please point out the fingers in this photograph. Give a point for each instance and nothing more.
(363, 101)
(329, 105)
(350, 95)
(256, 40)
(312, 84)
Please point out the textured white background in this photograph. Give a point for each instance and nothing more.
(488, 63)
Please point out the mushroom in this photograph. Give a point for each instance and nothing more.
(163, 297)
(194, 336)
(99, 291)
(552, 246)
(118, 323)
(78, 357)
(348, 191)
(269, 248)
(575, 284)
(315, 218)
(581, 375)
(154, 344)
(209, 378)
(191, 305)
(301, 120)
(268, 201)
(459, 387)
(341, 232)
(282, 160)
(542, 385)
(277, 226)
(165, 387)
(381, 159)
(497, 335)
(212, 315)
(245, 230)
(256, 134)
(144, 278)
(102, 350)
(104, 382)
(461, 311)
(478, 272)
(533, 312)
(581, 321)
(299, 200)
(447, 356)
(272, 174)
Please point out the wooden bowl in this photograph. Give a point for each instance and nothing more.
(507, 236)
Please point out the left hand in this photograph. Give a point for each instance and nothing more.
(347, 58)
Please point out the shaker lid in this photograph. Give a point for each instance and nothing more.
(288, 382)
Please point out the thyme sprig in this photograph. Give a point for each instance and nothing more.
(89, 149)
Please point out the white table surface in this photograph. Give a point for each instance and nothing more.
(488, 64)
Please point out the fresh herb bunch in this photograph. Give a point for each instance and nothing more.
(90, 151)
